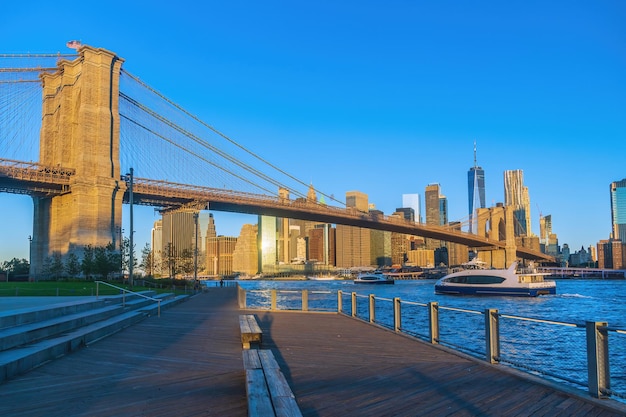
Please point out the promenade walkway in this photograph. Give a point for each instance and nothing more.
(188, 363)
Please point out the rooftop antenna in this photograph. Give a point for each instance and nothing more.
(475, 163)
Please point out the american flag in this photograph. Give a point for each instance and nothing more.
(73, 44)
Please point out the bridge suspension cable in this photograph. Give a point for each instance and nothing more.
(202, 143)
(191, 153)
(230, 140)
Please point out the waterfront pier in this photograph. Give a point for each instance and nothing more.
(188, 362)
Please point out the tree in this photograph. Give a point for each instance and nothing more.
(106, 260)
(56, 265)
(72, 266)
(88, 263)
(146, 259)
(169, 260)
(16, 266)
(186, 262)
(126, 255)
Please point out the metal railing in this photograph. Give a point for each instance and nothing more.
(124, 291)
(546, 348)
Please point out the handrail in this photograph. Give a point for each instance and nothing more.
(124, 291)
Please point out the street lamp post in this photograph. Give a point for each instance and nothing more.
(195, 252)
(30, 253)
(131, 255)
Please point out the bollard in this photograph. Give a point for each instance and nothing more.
(492, 335)
(397, 314)
(339, 301)
(599, 376)
(433, 315)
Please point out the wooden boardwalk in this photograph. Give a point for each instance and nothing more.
(188, 362)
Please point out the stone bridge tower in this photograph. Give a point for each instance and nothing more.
(80, 129)
(496, 223)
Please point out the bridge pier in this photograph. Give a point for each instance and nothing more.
(80, 129)
(496, 223)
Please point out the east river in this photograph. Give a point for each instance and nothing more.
(555, 349)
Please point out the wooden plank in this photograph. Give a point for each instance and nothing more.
(277, 383)
(286, 407)
(259, 402)
(254, 326)
(251, 359)
(267, 359)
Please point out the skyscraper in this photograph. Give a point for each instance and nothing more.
(353, 243)
(412, 201)
(476, 192)
(432, 204)
(618, 210)
(516, 195)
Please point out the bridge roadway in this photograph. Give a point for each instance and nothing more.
(188, 362)
(32, 178)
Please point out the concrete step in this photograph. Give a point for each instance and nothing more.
(16, 317)
(32, 332)
(22, 359)
(25, 346)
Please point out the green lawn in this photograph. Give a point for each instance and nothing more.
(68, 288)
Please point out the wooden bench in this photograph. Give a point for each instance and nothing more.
(250, 330)
(268, 392)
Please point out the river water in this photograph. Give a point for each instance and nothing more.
(547, 349)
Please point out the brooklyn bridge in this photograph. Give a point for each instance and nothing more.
(94, 121)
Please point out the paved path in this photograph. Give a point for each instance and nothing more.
(188, 363)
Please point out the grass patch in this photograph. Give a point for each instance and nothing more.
(83, 288)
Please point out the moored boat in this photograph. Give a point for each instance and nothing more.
(495, 282)
(372, 278)
(322, 277)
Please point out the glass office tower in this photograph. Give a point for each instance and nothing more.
(476, 192)
(618, 210)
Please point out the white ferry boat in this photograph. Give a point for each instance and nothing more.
(495, 282)
(373, 278)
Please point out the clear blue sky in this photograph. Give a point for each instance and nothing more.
(380, 97)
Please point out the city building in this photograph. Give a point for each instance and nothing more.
(434, 204)
(268, 228)
(618, 210)
(322, 244)
(246, 253)
(156, 243)
(354, 243)
(611, 254)
(412, 201)
(516, 196)
(476, 192)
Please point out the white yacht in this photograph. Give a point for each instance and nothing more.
(480, 281)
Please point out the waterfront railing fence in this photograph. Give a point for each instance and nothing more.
(546, 348)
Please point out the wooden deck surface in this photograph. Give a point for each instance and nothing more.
(189, 362)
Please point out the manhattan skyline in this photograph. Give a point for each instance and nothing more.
(382, 100)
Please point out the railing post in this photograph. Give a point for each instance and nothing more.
(353, 304)
(159, 308)
(97, 289)
(339, 301)
(273, 297)
(397, 314)
(599, 377)
(372, 308)
(305, 300)
(492, 335)
(242, 297)
(433, 315)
